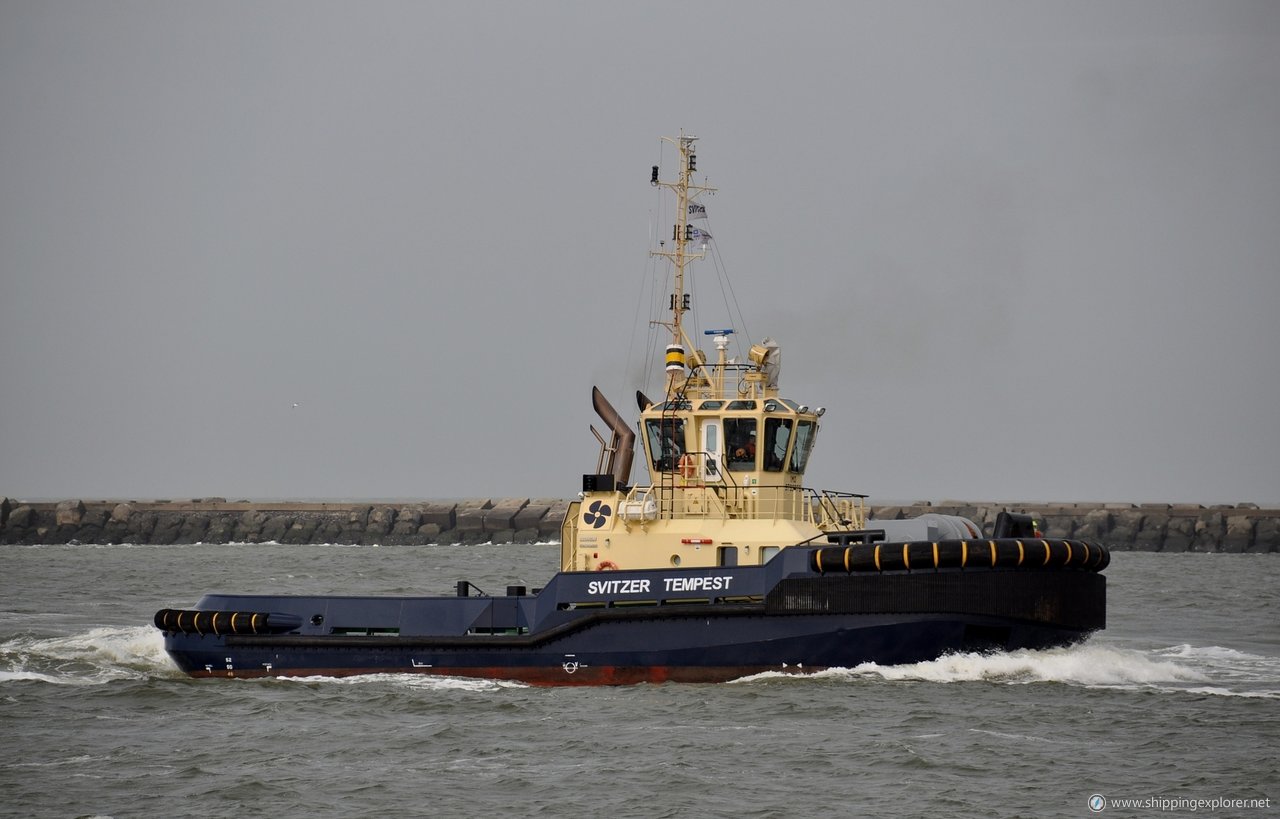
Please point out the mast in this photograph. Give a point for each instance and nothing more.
(681, 233)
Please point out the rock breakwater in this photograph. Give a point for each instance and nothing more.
(1147, 527)
(204, 520)
(1121, 526)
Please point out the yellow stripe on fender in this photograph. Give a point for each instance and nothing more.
(992, 544)
(877, 557)
(906, 558)
(964, 553)
(1021, 552)
(847, 550)
(935, 555)
(1068, 562)
(1046, 553)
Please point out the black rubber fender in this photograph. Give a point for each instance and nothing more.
(217, 623)
(1026, 554)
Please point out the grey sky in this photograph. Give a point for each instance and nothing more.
(1019, 250)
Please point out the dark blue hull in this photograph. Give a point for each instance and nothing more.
(690, 649)
(698, 625)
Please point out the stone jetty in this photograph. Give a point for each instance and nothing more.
(216, 520)
(1123, 526)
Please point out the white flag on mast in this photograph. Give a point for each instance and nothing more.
(698, 211)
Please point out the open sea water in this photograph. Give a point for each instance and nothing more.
(1176, 706)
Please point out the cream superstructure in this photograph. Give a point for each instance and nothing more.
(725, 450)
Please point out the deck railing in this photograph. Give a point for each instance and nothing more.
(826, 509)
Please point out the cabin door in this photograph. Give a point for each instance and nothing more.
(711, 446)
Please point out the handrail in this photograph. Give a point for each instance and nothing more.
(827, 509)
(840, 510)
(664, 495)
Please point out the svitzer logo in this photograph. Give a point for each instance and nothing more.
(597, 514)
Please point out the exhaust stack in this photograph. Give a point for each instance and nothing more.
(621, 448)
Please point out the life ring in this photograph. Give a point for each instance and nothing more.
(688, 466)
(606, 566)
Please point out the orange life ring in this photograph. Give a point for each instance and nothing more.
(606, 566)
(688, 466)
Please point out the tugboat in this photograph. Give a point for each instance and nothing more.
(722, 565)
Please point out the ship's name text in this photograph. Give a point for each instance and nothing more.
(671, 584)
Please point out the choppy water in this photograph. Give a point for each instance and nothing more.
(1178, 699)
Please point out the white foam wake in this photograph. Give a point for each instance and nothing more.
(1088, 665)
(428, 682)
(1208, 670)
(94, 657)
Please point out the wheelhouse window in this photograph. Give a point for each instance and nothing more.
(711, 449)
(740, 435)
(777, 434)
(805, 432)
(666, 442)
